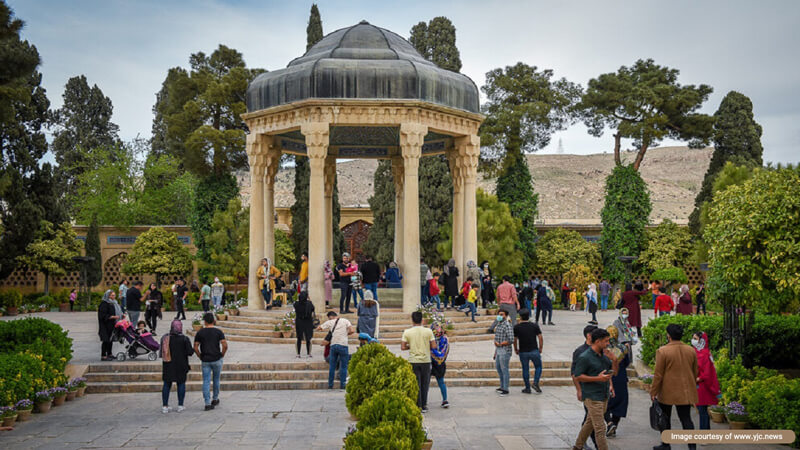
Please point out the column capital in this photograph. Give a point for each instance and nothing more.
(330, 175)
(454, 161)
(316, 134)
(412, 136)
(469, 150)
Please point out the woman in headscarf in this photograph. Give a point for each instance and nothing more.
(108, 313)
(487, 288)
(685, 305)
(393, 276)
(439, 358)
(617, 407)
(707, 382)
(473, 271)
(304, 321)
(175, 352)
(591, 302)
(329, 277)
(450, 282)
(630, 301)
(624, 327)
(368, 315)
(266, 275)
(544, 303)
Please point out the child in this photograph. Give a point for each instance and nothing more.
(465, 290)
(472, 301)
(573, 300)
(355, 282)
(433, 290)
(439, 360)
(141, 328)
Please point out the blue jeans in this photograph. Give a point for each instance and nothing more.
(181, 393)
(217, 300)
(604, 301)
(663, 313)
(357, 292)
(372, 287)
(702, 412)
(435, 298)
(267, 294)
(654, 300)
(211, 368)
(526, 358)
(423, 296)
(501, 361)
(472, 308)
(339, 353)
(442, 388)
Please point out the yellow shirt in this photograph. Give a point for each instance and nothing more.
(260, 274)
(573, 298)
(473, 296)
(304, 272)
(419, 340)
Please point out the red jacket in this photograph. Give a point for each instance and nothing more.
(433, 287)
(708, 386)
(664, 303)
(465, 288)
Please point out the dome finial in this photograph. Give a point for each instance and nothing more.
(363, 22)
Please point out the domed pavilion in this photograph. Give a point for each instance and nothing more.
(362, 92)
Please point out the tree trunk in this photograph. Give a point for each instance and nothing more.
(46, 283)
(639, 157)
(617, 141)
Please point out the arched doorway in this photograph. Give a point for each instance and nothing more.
(355, 235)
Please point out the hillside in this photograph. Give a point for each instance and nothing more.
(570, 187)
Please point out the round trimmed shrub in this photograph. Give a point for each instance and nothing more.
(393, 407)
(39, 336)
(382, 372)
(366, 354)
(386, 436)
(23, 374)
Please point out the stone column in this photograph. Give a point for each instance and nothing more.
(469, 149)
(316, 134)
(330, 179)
(273, 161)
(397, 174)
(412, 136)
(457, 251)
(257, 161)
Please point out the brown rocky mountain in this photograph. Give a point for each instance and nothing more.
(570, 187)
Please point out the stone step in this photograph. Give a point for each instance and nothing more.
(353, 340)
(384, 326)
(267, 331)
(400, 319)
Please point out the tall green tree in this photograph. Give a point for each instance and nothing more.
(158, 252)
(23, 115)
(737, 139)
(82, 124)
(498, 233)
(52, 251)
(514, 187)
(94, 270)
(314, 28)
(668, 245)
(436, 42)
(560, 250)
(625, 215)
(211, 195)
(380, 242)
(646, 103)
(228, 243)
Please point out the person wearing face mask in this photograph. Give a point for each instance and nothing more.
(624, 327)
(707, 383)
(621, 349)
(503, 340)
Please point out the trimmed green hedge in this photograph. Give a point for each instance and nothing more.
(386, 419)
(39, 336)
(774, 341)
(23, 374)
(382, 372)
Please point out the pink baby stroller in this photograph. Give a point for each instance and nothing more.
(135, 344)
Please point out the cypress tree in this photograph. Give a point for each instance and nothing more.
(94, 271)
(737, 138)
(380, 242)
(314, 28)
(515, 188)
(624, 216)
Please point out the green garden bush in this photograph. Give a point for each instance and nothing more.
(390, 407)
(10, 298)
(383, 372)
(772, 404)
(39, 336)
(773, 341)
(46, 300)
(23, 374)
(367, 353)
(386, 436)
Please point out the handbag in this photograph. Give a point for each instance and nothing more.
(315, 322)
(658, 420)
(329, 336)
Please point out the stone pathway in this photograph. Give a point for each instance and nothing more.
(477, 419)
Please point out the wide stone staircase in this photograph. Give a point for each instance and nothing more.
(259, 326)
(146, 377)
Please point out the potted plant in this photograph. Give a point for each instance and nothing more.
(44, 399)
(491, 308)
(352, 428)
(59, 395)
(219, 311)
(276, 332)
(72, 391)
(196, 325)
(448, 325)
(736, 415)
(717, 413)
(24, 408)
(428, 444)
(647, 381)
(9, 415)
(80, 383)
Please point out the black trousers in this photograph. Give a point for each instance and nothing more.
(305, 331)
(205, 304)
(684, 414)
(344, 300)
(151, 318)
(181, 314)
(544, 309)
(701, 305)
(423, 374)
(105, 348)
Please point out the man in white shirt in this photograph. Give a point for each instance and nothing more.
(340, 328)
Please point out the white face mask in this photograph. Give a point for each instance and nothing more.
(695, 342)
(624, 317)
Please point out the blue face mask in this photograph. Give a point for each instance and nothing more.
(499, 317)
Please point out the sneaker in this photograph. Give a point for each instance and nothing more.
(503, 393)
(424, 409)
(181, 408)
(611, 430)
(499, 390)
(445, 404)
(215, 402)
(550, 323)
(526, 391)
(298, 357)
(209, 407)
(537, 389)
(165, 409)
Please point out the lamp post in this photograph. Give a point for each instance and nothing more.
(628, 261)
(83, 284)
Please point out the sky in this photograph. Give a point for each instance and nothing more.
(127, 47)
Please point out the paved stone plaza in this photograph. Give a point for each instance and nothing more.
(477, 419)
